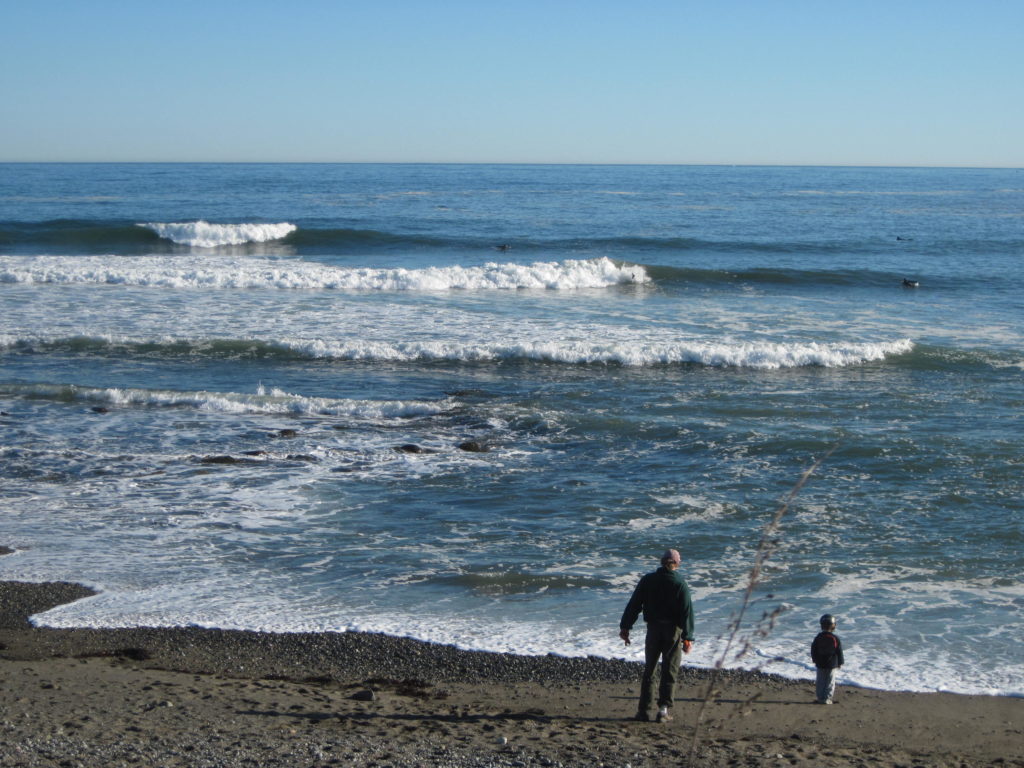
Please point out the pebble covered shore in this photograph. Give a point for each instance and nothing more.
(216, 699)
(291, 655)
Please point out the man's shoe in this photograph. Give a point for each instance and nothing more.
(643, 717)
(663, 715)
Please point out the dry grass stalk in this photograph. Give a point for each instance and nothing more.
(766, 547)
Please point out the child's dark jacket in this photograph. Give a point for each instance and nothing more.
(827, 651)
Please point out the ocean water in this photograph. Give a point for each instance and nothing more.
(206, 372)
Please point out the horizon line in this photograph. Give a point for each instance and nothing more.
(513, 163)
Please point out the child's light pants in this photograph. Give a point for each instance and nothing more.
(825, 685)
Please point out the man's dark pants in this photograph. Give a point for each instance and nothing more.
(663, 644)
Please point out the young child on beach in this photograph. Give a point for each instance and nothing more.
(827, 654)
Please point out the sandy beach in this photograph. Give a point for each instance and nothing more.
(201, 697)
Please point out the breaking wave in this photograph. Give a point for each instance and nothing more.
(102, 236)
(241, 272)
(202, 234)
(265, 401)
(754, 355)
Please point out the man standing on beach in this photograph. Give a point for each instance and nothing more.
(664, 599)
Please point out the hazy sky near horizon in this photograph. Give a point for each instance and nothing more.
(890, 82)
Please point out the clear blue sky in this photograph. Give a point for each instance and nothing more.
(891, 82)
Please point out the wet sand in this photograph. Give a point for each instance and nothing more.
(199, 697)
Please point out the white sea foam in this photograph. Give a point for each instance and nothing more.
(761, 356)
(253, 273)
(692, 507)
(765, 356)
(202, 234)
(271, 402)
(261, 600)
(650, 523)
(784, 652)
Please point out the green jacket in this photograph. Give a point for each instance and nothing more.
(662, 596)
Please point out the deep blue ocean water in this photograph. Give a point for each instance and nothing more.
(205, 372)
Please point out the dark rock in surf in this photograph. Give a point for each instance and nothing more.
(467, 393)
(412, 448)
(473, 447)
(225, 460)
(219, 460)
(286, 433)
(99, 409)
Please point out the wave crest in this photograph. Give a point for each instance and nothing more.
(246, 273)
(203, 234)
(264, 401)
(763, 356)
(754, 355)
